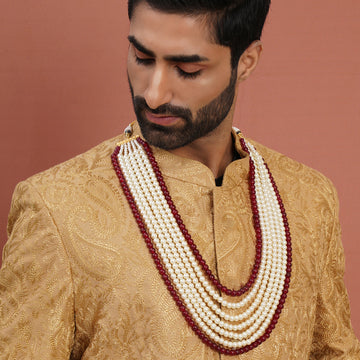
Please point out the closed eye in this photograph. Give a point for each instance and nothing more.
(142, 58)
(192, 70)
(144, 61)
(188, 75)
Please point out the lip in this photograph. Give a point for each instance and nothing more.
(165, 120)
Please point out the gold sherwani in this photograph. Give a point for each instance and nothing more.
(78, 281)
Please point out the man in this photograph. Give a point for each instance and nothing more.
(177, 240)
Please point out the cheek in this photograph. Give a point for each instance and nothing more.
(202, 92)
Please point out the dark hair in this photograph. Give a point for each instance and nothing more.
(234, 23)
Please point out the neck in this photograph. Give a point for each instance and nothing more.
(214, 150)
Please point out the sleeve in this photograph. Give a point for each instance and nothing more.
(36, 291)
(333, 334)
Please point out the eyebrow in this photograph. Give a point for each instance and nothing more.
(140, 47)
(174, 58)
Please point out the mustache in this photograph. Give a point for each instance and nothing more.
(140, 105)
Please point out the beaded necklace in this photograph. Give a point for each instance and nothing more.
(194, 288)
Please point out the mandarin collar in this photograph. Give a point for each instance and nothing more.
(194, 172)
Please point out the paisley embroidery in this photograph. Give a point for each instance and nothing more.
(109, 308)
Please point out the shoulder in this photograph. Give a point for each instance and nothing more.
(293, 170)
(300, 183)
(95, 161)
(70, 183)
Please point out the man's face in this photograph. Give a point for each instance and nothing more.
(181, 81)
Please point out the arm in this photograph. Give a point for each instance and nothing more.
(333, 334)
(36, 292)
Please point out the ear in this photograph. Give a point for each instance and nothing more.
(249, 60)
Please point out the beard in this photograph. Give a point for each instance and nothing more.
(207, 119)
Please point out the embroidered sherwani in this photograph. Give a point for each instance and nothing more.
(78, 282)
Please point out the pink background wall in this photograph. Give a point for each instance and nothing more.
(63, 89)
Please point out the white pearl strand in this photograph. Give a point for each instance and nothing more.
(198, 295)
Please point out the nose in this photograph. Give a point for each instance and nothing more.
(158, 90)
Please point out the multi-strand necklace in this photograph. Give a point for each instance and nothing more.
(231, 327)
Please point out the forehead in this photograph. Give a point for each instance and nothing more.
(171, 33)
